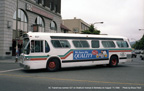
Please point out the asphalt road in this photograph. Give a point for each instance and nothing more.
(128, 76)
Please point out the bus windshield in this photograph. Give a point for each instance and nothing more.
(26, 46)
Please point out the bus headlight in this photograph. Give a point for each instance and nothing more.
(26, 59)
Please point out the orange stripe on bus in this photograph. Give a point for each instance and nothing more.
(67, 55)
(36, 59)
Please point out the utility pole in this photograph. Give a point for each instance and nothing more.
(17, 38)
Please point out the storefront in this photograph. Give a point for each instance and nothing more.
(33, 15)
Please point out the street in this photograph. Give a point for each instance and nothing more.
(128, 76)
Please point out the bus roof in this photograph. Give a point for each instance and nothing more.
(73, 36)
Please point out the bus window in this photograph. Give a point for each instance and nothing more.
(36, 46)
(65, 43)
(108, 44)
(122, 44)
(47, 48)
(84, 43)
(60, 43)
(77, 44)
(95, 44)
(80, 44)
(56, 43)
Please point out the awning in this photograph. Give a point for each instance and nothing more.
(64, 27)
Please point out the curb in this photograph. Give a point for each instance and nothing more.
(7, 61)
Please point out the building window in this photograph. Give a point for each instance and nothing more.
(55, 8)
(84, 27)
(53, 25)
(36, 1)
(22, 20)
(40, 23)
(76, 30)
(51, 6)
(42, 2)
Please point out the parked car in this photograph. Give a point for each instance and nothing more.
(134, 54)
(142, 55)
(137, 51)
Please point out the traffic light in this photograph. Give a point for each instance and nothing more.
(21, 33)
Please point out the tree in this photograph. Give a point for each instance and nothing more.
(91, 30)
(139, 44)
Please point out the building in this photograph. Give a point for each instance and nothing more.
(75, 25)
(33, 15)
(64, 29)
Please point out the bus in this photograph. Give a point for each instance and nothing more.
(54, 51)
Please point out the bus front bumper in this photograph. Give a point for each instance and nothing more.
(27, 67)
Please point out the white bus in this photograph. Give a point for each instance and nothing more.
(56, 50)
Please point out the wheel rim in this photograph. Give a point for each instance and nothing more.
(114, 62)
(52, 65)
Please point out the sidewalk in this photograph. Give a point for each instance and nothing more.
(7, 60)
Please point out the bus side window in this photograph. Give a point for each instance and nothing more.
(84, 44)
(56, 43)
(47, 48)
(122, 44)
(108, 44)
(125, 44)
(77, 44)
(119, 43)
(95, 44)
(65, 43)
(80, 44)
(60, 43)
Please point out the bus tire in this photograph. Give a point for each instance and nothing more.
(53, 64)
(113, 61)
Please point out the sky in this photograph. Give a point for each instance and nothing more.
(120, 17)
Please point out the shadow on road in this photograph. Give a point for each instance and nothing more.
(75, 69)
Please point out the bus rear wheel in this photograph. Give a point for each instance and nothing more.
(113, 61)
(53, 65)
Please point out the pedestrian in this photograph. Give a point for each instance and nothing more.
(20, 48)
(17, 54)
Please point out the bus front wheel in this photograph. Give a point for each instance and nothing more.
(113, 61)
(53, 65)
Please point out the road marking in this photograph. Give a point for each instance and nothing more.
(10, 70)
(74, 80)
